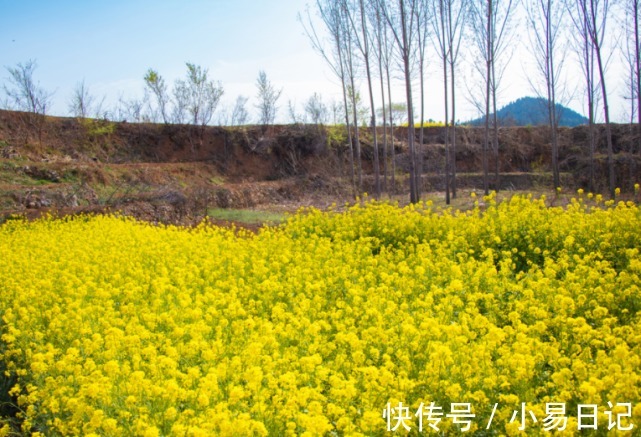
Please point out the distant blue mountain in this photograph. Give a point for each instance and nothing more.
(533, 111)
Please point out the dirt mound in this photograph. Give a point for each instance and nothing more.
(177, 172)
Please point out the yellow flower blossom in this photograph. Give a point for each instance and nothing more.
(116, 327)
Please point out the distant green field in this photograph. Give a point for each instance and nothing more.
(249, 216)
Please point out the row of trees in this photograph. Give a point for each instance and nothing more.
(380, 40)
(194, 99)
(376, 39)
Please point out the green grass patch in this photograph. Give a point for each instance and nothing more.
(217, 180)
(10, 174)
(249, 216)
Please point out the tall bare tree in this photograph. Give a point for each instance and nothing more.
(546, 23)
(392, 148)
(132, 109)
(448, 25)
(442, 40)
(350, 64)
(635, 11)
(356, 12)
(457, 15)
(338, 58)
(81, 103)
(628, 58)
(482, 13)
(379, 39)
(295, 117)
(401, 18)
(181, 103)
(23, 92)
(200, 94)
(593, 15)
(387, 55)
(584, 49)
(268, 97)
(240, 115)
(316, 109)
(156, 84)
(491, 28)
(633, 57)
(424, 16)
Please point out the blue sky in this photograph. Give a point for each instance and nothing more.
(111, 44)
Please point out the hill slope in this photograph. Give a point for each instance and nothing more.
(533, 111)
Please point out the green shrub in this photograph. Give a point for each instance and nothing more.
(98, 128)
(336, 136)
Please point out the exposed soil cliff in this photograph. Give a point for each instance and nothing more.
(169, 172)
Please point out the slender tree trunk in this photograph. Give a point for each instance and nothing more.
(453, 139)
(447, 135)
(632, 168)
(341, 62)
(486, 144)
(377, 166)
(348, 127)
(452, 159)
(351, 146)
(384, 129)
(349, 64)
(551, 85)
(414, 189)
(590, 20)
(608, 128)
(380, 73)
(421, 135)
(391, 122)
(444, 54)
(366, 55)
(632, 102)
(637, 59)
(357, 142)
(488, 77)
(497, 162)
(588, 58)
(554, 138)
(589, 63)
(592, 140)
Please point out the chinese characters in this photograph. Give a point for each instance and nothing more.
(428, 416)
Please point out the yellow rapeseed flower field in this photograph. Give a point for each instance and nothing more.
(501, 321)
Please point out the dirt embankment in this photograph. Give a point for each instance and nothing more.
(175, 173)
